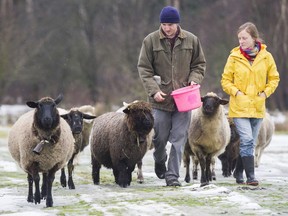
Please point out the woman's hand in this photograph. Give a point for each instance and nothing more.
(239, 93)
(262, 94)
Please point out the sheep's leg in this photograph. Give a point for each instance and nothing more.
(30, 188)
(186, 160)
(44, 186)
(202, 161)
(70, 172)
(213, 174)
(49, 182)
(140, 178)
(37, 196)
(208, 168)
(129, 173)
(257, 155)
(225, 167)
(195, 162)
(95, 170)
(123, 179)
(116, 175)
(63, 178)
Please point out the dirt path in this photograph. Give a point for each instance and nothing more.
(221, 197)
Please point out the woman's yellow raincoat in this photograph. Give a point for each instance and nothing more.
(261, 76)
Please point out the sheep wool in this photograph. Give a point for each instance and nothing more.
(41, 127)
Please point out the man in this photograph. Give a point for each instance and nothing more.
(170, 58)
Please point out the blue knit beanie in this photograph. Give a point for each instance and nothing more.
(169, 15)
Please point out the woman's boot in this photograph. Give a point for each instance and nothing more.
(248, 164)
(238, 172)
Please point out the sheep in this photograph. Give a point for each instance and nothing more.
(119, 140)
(81, 131)
(229, 157)
(41, 141)
(264, 138)
(140, 176)
(209, 133)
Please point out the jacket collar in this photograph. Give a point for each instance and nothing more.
(237, 53)
(180, 35)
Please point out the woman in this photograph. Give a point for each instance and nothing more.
(250, 76)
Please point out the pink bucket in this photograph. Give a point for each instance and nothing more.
(187, 98)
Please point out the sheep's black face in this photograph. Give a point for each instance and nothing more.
(47, 115)
(143, 122)
(210, 105)
(75, 121)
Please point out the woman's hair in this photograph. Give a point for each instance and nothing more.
(251, 29)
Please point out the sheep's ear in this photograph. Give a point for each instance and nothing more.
(64, 116)
(86, 116)
(224, 101)
(58, 99)
(126, 110)
(202, 99)
(32, 104)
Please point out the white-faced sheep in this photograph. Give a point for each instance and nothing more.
(264, 138)
(41, 142)
(119, 141)
(209, 133)
(76, 120)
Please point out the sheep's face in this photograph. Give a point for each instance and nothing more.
(46, 114)
(75, 119)
(139, 117)
(211, 103)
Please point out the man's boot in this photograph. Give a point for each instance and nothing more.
(238, 172)
(248, 164)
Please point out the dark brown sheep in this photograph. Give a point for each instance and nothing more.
(119, 141)
(229, 157)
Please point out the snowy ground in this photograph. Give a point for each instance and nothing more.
(221, 197)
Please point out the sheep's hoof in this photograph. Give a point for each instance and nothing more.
(71, 185)
(187, 179)
(204, 184)
(49, 203)
(124, 185)
(140, 181)
(37, 198)
(30, 199)
(63, 181)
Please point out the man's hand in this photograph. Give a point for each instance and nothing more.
(193, 83)
(159, 96)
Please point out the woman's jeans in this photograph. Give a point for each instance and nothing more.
(248, 130)
(172, 127)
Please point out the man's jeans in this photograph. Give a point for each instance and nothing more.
(172, 127)
(248, 130)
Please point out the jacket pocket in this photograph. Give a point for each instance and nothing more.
(242, 103)
(260, 104)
